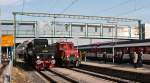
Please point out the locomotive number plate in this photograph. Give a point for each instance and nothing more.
(38, 62)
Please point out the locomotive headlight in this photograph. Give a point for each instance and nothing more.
(38, 57)
(67, 57)
(77, 56)
(53, 61)
(52, 57)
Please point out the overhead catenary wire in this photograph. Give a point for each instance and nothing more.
(134, 10)
(69, 6)
(115, 6)
(54, 5)
(23, 5)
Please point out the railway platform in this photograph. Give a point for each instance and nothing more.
(126, 71)
(1, 66)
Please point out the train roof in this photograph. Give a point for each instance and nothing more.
(64, 42)
(118, 44)
(40, 39)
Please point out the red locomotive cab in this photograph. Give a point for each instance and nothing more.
(68, 54)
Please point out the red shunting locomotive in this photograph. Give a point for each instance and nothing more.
(65, 54)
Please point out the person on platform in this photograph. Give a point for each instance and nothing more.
(105, 56)
(140, 59)
(135, 59)
(83, 56)
(120, 57)
(131, 55)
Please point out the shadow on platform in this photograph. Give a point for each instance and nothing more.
(22, 65)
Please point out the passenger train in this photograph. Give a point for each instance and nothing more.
(125, 48)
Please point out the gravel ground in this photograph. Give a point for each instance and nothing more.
(23, 73)
(1, 71)
(19, 76)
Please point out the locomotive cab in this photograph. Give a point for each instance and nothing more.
(66, 54)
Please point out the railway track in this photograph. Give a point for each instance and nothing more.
(54, 77)
(80, 76)
(57, 75)
(106, 77)
(65, 75)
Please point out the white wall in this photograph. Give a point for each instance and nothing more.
(147, 31)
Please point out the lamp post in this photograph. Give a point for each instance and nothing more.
(114, 41)
(113, 49)
(0, 37)
(114, 35)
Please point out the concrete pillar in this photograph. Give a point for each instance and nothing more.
(143, 26)
(101, 30)
(141, 30)
(113, 40)
(116, 31)
(86, 30)
(70, 29)
(129, 28)
(53, 30)
(15, 26)
(114, 36)
(36, 34)
(54, 26)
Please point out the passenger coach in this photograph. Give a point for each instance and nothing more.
(123, 50)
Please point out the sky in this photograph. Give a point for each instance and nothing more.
(116, 8)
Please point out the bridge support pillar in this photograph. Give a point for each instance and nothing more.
(86, 30)
(70, 29)
(101, 30)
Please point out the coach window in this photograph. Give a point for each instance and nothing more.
(109, 29)
(81, 29)
(95, 29)
(66, 28)
(109, 50)
(126, 50)
(147, 50)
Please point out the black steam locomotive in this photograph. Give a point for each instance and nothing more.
(39, 55)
